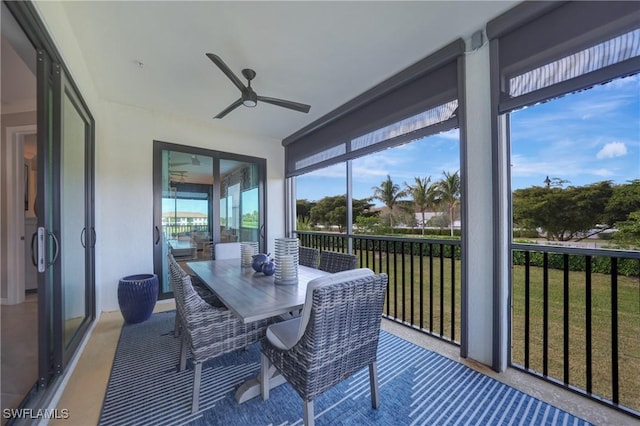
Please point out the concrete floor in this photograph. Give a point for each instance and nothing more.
(86, 388)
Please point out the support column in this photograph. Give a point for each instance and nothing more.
(481, 212)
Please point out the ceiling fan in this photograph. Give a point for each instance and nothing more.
(248, 97)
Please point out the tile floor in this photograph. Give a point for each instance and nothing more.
(19, 350)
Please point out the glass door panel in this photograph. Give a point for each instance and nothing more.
(64, 209)
(72, 220)
(240, 217)
(185, 208)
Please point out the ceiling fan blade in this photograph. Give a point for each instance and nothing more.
(225, 69)
(285, 104)
(230, 108)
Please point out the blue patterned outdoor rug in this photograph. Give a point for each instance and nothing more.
(417, 386)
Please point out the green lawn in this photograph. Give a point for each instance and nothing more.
(404, 288)
(628, 330)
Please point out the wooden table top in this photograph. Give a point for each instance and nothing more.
(251, 295)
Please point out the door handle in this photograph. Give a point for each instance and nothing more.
(57, 248)
(82, 235)
(40, 249)
(94, 237)
(33, 252)
(157, 235)
(42, 263)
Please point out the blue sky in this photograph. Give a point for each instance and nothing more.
(583, 138)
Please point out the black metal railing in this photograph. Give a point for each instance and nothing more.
(576, 320)
(423, 290)
(575, 312)
(174, 229)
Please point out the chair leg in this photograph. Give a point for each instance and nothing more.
(176, 326)
(308, 413)
(264, 377)
(197, 375)
(373, 381)
(183, 353)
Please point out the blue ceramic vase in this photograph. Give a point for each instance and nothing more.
(268, 268)
(137, 296)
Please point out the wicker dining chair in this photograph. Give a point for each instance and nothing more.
(203, 291)
(333, 261)
(308, 256)
(207, 331)
(336, 336)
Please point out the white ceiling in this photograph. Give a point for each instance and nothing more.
(320, 53)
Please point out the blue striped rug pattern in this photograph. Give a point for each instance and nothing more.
(417, 387)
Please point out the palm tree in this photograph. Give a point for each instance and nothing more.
(423, 195)
(389, 193)
(448, 192)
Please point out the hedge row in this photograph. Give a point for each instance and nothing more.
(433, 232)
(408, 248)
(599, 264)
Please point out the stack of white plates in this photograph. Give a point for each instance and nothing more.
(286, 260)
(247, 251)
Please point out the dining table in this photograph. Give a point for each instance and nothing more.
(253, 296)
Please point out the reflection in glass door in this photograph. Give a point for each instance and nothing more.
(73, 307)
(186, 207)
(72, 202)
(239, 201)
(203, 197)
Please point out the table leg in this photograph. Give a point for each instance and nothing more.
(251, 388)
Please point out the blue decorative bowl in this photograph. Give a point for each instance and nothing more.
(137, 296)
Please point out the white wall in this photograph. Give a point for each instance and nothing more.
(124, 200)
(124, 191)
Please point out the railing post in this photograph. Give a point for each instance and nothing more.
(527, 307)
(545, 314)
(421, 266)
(614, 331)
(453, 292)
(431, 287)
(587, 301)
(441, 289)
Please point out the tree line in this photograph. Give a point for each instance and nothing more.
(554, 211)
(577, 212)
(401, 202)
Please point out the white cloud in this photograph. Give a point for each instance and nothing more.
(603, 173)
(612, 150)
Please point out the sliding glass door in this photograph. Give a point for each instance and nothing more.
(203, 197)
(63, 247)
